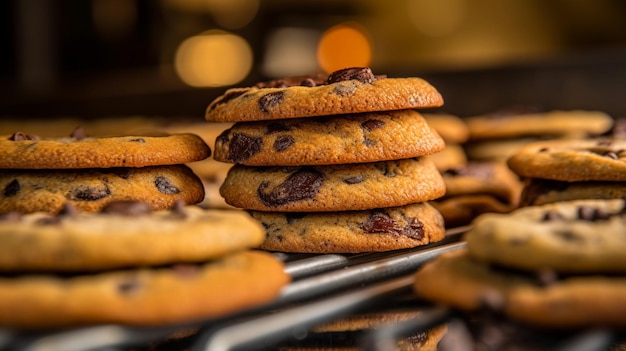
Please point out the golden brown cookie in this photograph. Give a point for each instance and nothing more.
(572, 160)
(127, 234)
(451, 157)
(25, 151)
(333, 188)
(89, 190)
(542, 191)
(142, 297)
(356, 138)
(375, 230)
(350, 90)
(456, 279)
(556, 123)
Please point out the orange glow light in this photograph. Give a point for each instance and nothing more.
(344, 45)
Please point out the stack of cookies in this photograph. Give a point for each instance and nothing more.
(562, 170)
(559, 266)
(333, 163)
(39, 174)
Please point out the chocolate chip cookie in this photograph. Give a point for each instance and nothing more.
(578, 301)
(572, 160)
(542, 191)
(374, 230)
(452, 128)
(142, 296)
(25, 151)
(476, 188)
(125, 234)
(350, 90)
(89, 190)
(356, 138)
(518, 124)
(333, 188)
(584, 236)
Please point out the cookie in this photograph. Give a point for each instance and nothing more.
(456, 279)
(585, 236)
(542, 191)
(452, 156)
(333, 188)
(498, 150)
(350, 90)
(89, 190)
(452, 128)
(142, 297)
(476, 188)
(126, 234)
(375, 230)
(24, 151)
(358, 138)
(512, 124)
(572, 160)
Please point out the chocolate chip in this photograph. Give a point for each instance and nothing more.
(276, 127)
(383, 167)
(354, 179)
(372, 124)
(543, 149)
(123, 172)
(12, 188)
(129, 285)
(269, 100)
(165, 186)
(127, 208)
(381, 222)
(19, 136)
(362, 74)
(304, 184)
(414, 229)
(68, 210)
(551, 216)
(590, 213)
(137, 140)
(88, 193)
(308, 82)
(78, 133)
(242, 147)
(283, 142)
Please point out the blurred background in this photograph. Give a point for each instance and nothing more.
(98, 58)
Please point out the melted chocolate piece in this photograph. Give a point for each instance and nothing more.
(344, 90)
(383, 168)
(381, 222)
(362, 74)
(269, 100)
(78, 133)
(87, 193)
(127, 208)
(165, 186)
(593, 214)
(19, 136)
(304, 184)
(354, 179)
(308, 82)
(283, 142)
(372, 124)
(138, 140)
(242, 147)
(123, 172)
(12, 188)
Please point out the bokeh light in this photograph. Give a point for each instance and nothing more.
(344, 45)
(213, 59)
(437, 18)
(290, 51)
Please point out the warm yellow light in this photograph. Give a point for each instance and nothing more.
(344, 45)
(214, 59)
